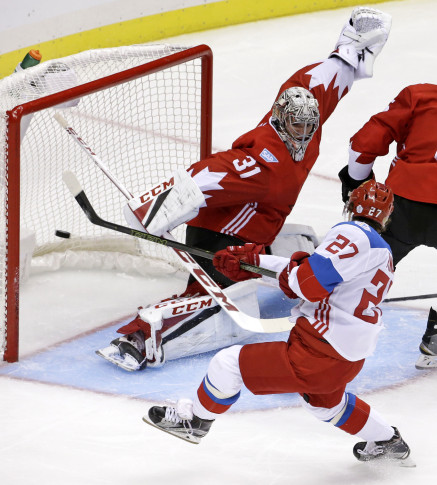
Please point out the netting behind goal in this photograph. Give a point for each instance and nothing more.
(145, 110)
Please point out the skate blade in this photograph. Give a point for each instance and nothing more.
(407, 462)
(186, 437)
(384, 462)
(426, 362)
(117, 360)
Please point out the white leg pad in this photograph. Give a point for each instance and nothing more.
(217, 331)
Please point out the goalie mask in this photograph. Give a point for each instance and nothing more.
(296, 117)
(371, 200)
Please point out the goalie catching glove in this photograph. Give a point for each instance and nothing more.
(227, 261)
(362, 39)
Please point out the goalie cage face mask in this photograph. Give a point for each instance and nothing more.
(296, 117)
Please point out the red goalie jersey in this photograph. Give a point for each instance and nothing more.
(410, 120)
(251, 189)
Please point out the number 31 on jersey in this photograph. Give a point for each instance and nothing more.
(245, 164)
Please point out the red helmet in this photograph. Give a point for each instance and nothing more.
(371, 200)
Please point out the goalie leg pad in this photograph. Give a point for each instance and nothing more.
(179, 328)
(168, 205)
(211, 329)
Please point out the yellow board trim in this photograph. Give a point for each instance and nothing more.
(170, 24)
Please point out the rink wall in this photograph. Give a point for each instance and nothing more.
(105, 23)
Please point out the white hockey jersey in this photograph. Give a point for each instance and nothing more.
(341, 286)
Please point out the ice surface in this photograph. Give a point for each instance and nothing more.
(68, 417)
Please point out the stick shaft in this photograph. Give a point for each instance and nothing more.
(89, 151)
(415, 297)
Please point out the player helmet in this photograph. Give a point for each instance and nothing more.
(296, 117)
(371, 200)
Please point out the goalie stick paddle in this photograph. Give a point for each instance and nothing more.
(245, 321)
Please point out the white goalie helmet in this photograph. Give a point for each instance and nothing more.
(296, 117)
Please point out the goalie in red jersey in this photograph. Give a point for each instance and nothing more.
(410, 120)
(243, 195)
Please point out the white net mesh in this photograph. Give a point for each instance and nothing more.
(142, 129)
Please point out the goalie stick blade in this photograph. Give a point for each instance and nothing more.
(183, 435)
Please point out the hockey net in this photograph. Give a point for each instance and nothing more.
(145, 110)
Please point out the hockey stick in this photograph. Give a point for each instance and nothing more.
(245, 321)
(63, 122)
(407, 298)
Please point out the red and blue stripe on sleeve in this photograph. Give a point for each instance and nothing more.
(212, 399)
(317, 277)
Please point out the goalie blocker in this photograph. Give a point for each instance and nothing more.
(167, 205)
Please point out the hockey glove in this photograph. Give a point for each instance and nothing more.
(296, 259)
(227, 261)
(348, 183)
(362, 39)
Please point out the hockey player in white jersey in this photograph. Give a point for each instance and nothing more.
(337, 325)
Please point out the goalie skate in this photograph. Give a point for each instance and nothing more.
(178, 420)
(124, 352)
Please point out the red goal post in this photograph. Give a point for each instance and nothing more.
(146, 110)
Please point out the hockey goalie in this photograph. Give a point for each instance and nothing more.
(243, 195)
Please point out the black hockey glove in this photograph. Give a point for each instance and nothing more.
(348, 183)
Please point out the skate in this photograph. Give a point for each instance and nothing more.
(139, 347)
(394, 450)
(428, 346)
(179, 421)
(127, 352)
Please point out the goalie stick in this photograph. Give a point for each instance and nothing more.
(243, 320)
(252, 324)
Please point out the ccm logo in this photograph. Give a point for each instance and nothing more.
(159, 189)
(191, 307)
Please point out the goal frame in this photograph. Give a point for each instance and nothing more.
(12, 175)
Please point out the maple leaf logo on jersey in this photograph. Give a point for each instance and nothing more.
(207, 180)
(325, 73)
